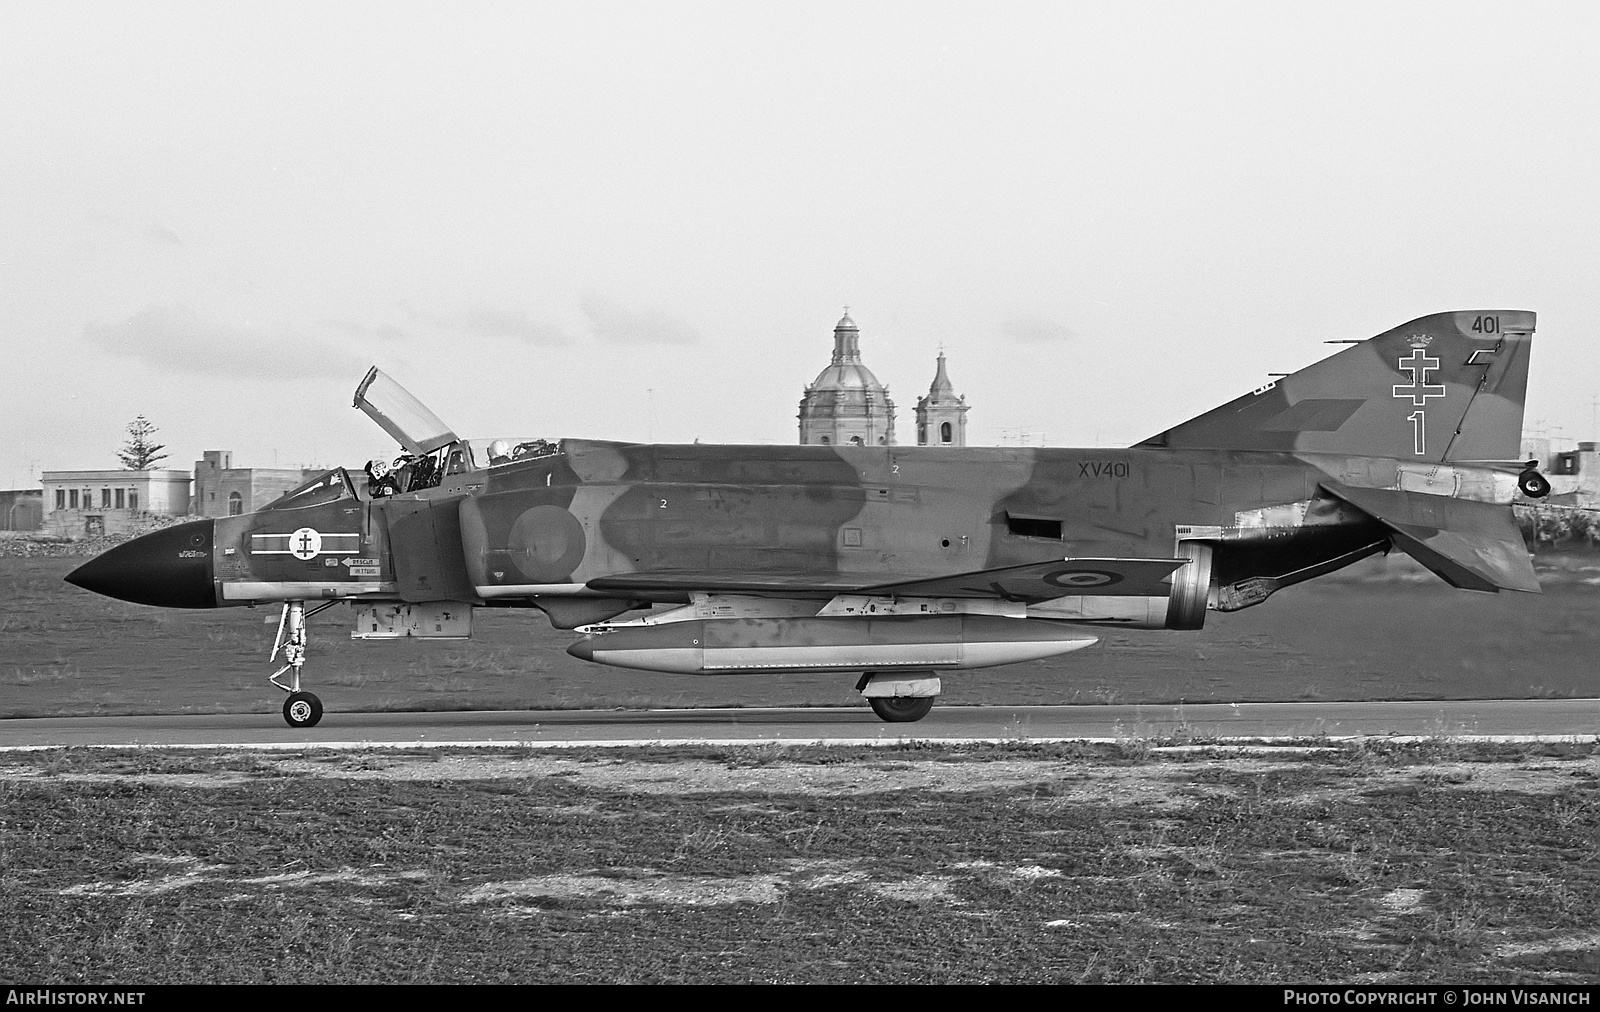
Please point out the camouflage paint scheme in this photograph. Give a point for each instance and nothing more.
(1405, 440)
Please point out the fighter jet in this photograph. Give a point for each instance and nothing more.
(890, 565)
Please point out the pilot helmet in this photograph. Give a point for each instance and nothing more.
(499, 448)
(377, 468)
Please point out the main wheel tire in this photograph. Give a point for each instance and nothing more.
(901, 709)
(1533, 484)
(302, 709)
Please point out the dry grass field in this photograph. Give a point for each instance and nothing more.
(1373, 863)
(1382, 630)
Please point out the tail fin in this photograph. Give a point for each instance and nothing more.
(1447, 387)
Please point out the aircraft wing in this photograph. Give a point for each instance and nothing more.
(1036, 581)
(1471, 545)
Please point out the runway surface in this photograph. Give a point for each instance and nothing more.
(1511, 718)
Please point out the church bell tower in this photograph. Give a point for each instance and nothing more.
(941, 416)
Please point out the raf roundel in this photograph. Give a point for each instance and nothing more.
(546, 544)
(305, 543)
(1078, 579)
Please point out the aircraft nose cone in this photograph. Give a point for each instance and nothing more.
(170, 568)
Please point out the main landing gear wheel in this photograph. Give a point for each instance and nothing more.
(901, 709)
(1533, 484)
(302, 709)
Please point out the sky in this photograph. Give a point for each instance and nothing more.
(640, 221)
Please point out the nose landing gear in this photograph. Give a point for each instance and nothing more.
(301, 709)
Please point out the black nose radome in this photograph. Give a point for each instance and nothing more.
(170, 568)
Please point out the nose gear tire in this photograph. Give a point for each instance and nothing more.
(302, 709)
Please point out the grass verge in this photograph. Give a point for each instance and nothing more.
(927, 863)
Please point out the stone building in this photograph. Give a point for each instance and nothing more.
(222, 490)
(21, 509)
(846, 403)
(941, 416)
(86, 503)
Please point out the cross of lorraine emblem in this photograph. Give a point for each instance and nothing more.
(1419, 364)
(305, 543)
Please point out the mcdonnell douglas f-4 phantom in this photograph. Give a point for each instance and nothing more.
(887, 564)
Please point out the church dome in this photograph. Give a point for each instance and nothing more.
(846, 376)
(846, 402)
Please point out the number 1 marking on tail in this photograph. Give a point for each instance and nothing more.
(1419, 430)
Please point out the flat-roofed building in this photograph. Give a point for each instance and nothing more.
(87, 503)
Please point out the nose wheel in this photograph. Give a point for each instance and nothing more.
(301, 709)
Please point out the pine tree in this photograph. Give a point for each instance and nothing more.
(140, 453)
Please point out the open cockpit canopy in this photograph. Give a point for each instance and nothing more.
(401, 415)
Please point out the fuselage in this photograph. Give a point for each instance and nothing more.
(817, 519)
